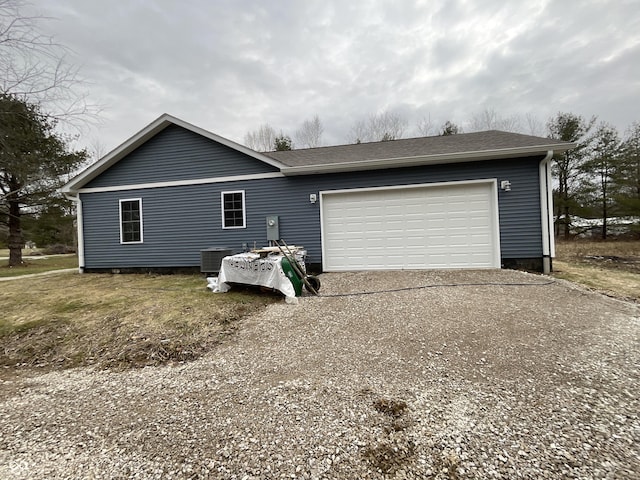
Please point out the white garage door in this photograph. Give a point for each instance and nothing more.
(452, 225)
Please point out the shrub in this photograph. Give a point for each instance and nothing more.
(58, 249)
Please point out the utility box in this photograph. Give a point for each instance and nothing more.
(211, 259)
(273, 228)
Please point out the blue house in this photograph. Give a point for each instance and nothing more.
(476, 200)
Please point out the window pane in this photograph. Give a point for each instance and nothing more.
(131, 225)
(233, 210)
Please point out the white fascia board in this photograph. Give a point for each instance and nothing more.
(378, 164)
(145, 135)
(180, 183)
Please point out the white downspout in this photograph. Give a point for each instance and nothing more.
(76, 199)
(546, 209)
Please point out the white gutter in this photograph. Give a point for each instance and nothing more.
(546, 209)
(79, 223)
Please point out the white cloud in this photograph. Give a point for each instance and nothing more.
(230, 66)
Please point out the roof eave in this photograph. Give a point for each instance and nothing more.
(145, 135)
(399, 162)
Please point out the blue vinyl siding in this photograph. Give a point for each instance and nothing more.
(179, 154)
(180, 221)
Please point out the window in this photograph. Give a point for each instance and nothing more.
(233, 215)
(131, 220)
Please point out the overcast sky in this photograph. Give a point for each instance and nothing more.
(229, 66)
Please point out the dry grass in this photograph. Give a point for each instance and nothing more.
(134, 320)
(391, 407)
(117, 321)
(38, 265)
(393, 451)
(582, 248)
(611, 267)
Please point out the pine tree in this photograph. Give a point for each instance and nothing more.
(282, 142)
(449, 128)
(627, 176)
(566, 166)
(599, 170)
(33, 163)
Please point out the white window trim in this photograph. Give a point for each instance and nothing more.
(139, 200)
(244, 209)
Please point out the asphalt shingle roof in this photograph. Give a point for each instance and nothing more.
(492, 140)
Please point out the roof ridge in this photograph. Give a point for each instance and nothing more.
(457, 135)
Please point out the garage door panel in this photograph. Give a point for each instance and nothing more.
(415, 210)
(431, 226)
(437, 210)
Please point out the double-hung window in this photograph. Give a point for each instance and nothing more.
(131, 220)
(233, 209)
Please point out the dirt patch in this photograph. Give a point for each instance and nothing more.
(393, 449)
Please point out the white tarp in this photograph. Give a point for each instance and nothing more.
(251, 269)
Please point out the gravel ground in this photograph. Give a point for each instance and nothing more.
(468, 381)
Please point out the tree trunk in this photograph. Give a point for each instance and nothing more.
(567, 222)
(564, 195)
(15, 240)
(556, 224)
(638, 179)
(605, 214)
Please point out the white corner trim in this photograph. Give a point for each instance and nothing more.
(80, 229)
(497, 252)
(182, 183)
(552, 237)
(546, 206)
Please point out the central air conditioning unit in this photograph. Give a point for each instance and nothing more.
(211, 259)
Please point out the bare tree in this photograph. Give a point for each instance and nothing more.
(426, 127)
(261, 140)
(97, 149)
(35, 68)
(359, 132)
(309, 135)
(534, 126)
(39, 90)
(378, 127)
(489, 119)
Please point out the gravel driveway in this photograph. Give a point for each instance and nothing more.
(534, 378)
